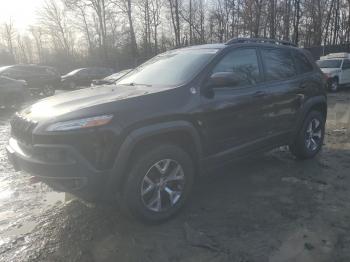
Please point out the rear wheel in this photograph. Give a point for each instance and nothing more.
(334, 85)
(310, 138)
(158, 184)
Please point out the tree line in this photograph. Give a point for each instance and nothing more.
(124, 33)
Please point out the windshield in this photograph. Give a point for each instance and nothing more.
(117, 76)
(329, 63)
(169, 69)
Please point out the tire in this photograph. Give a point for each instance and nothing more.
(309, 140)
(48, 90)
(334, 85)
(142, 187)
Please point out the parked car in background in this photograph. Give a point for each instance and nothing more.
(177, 115)
(13, 92)
(110, 79)
(41, 80)
(336, 67)
(84, 76)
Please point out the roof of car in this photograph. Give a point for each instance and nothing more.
(206, 46)
(244, 41)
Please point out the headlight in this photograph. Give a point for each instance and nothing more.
(81, 123)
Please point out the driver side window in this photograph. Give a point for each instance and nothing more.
(243, 63)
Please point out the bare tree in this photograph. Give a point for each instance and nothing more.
(81, 12)
(175, 18)
(52, 17)
(127, 9)
(9, 34)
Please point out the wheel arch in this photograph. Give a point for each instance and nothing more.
(181, 133)
(318, 103)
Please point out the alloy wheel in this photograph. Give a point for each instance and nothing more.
(163, 185)
(334, 86)
(313, 135)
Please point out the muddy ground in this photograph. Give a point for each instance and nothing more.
(266, 208)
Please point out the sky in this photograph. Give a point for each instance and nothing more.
(21, 12)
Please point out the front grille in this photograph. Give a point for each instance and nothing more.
(22, 129)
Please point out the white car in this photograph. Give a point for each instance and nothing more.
(336, 67)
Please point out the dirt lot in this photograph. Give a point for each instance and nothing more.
(266, 208)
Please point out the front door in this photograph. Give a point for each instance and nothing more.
(234, 116)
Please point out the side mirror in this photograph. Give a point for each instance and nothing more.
(224, 79)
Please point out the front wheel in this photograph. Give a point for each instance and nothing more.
(48, 90)
(309, 140)
(158, 184)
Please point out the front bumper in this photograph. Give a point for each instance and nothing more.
(61, 167)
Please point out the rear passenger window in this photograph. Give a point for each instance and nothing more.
(302, 64)
(278, 63)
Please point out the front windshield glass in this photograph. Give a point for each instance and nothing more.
(116, 76)
(329, 63)
(169, 69)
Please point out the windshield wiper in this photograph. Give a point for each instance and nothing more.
(136, 84)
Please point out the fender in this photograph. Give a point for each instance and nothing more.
(137, 135)
(304, 110)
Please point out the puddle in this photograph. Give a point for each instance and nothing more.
(21, 203)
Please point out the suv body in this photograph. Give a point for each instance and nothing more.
(40, 79)
(173, 117)
(84, 76)
(336, 67)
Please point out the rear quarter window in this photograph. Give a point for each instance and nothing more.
(302, 63)
(278, 64)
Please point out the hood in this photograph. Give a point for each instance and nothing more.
(65, 103)
(330, 70)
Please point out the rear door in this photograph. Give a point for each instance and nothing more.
(286, 89)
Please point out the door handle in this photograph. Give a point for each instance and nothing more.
(259, 94)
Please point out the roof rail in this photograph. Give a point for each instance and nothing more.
(259, 40)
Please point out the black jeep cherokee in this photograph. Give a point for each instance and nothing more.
(144, 141)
